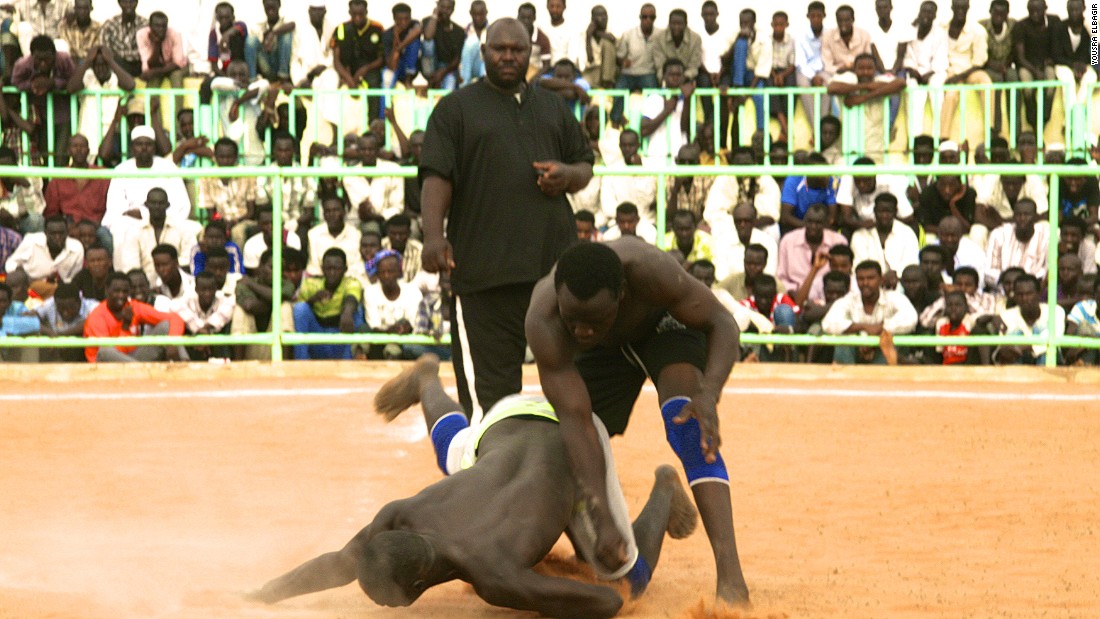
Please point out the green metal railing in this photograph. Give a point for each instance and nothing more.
(208, 121)
(276, 339)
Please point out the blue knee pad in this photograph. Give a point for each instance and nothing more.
(685, 439)
(443, 432)
(639, 577)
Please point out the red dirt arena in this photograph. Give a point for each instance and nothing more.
(167, 491)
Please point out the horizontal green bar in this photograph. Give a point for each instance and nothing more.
(600, 170)
(800, 90)
(40, 341)
(210, 172)
(918, 340)
(846, 169)
(362, 338)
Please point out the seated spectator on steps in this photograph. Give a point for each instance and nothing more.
(91, 281)
(1082, 322)
(357, 57)
(955, 321)
(328, 304)
(1072, 284)
(252, 313)
(240, 108)
(21, 199)
(17, 319)
(917, 288)
(78, 29)
(206, 310)
(855, 198)
(119, 316)
(217, 264)
(798, 248)
(51, 256)
(44, 76)
(689, 239)
(84, 232)
(374, 198)
(398, 229)
(231, 200)
(401, 44)
(99, 71)
(835, 285)
(740, 285)
(127, 196)
(270, 43)
(779, 308)
(163, 58)
(1029, 317)
(629, 223)
(172, 282)
(214, 236)
(141, 291)
(63, 315)
(566, 80)
(640, 190)
(441, 47)
(390, 305)
(979, 304)
(802, 192)
(134, 242)
(369, 247)
(80, 199)
(864, 88)
(260, 242)
(299, 192)
(227, 38)
(870, 310)
(888, 242)
(1021, 243)
(433, 318)
(189, 147)
(333, 232)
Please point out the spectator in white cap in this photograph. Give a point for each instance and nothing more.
(126, 197)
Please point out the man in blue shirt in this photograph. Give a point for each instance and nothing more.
(799, 192)
(17, 320)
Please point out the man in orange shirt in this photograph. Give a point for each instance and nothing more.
(120, 316)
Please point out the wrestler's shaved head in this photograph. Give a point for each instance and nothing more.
(394, 568)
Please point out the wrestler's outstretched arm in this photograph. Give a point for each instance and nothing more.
(546, 595)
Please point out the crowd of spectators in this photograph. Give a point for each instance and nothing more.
(878, 255)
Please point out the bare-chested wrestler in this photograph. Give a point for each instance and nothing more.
(608, 317)
(507, 499)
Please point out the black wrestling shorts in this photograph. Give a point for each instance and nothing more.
(615, 376)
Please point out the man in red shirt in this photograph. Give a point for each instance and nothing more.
(120, 316)
(80, 199)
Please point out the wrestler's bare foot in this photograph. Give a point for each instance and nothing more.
(259, 595)
(682, 515)
(669, 510)
(404, 390)
(736, 596)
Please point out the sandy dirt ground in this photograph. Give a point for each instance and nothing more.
(855, 495)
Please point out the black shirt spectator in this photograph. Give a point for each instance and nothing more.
(448, 42)
(935, 202)
(359, 47)
(1038, 39)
